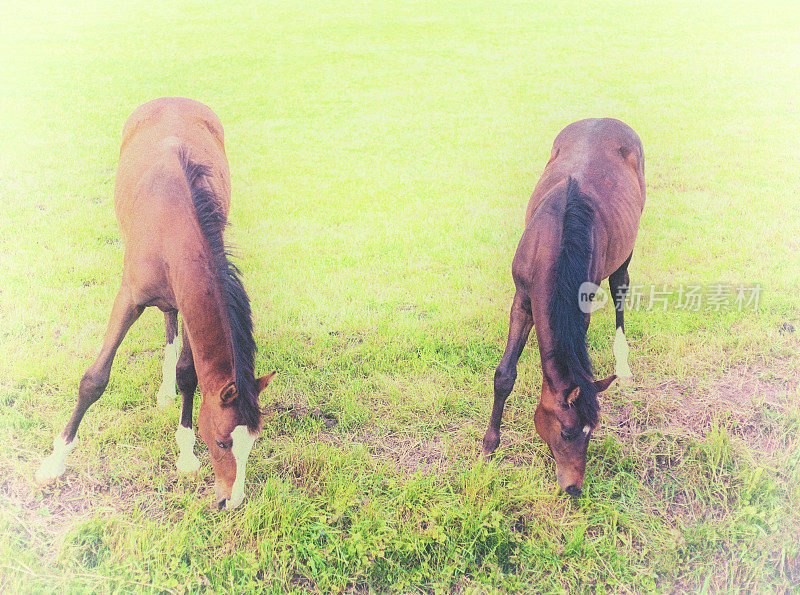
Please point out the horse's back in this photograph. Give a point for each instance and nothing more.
(192, 120)
(600, 139)
(153, 137)
(605, 157)
(152, 197)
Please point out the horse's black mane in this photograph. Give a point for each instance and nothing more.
(567, 323)
(211, 218)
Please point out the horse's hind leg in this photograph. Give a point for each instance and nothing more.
(619, 282)
(94, 382)
(184, 435)
(166, 393)
(506, 374)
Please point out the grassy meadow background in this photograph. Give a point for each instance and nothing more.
(382, 156)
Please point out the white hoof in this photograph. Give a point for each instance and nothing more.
(49, 470)
(53, 466)
(234, 502)
(623, 371)
(166, 392)
(621, 351)
(165, 397)
(187, 461)
(187, 464)
(624, 377)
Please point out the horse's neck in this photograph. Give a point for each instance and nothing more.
(198, 295)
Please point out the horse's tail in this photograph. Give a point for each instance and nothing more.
(567, 322)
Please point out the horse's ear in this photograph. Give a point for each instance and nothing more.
(602, 385)
(264, 381)
(571, 397)
(229, 393)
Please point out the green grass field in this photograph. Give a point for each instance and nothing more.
(382, 155)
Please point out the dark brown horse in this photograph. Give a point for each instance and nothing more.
(581, 225)
(172, 197)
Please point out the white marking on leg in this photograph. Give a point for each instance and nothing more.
(243, 442)
(166, 394)
(586, 429)
(53, 466)
(621, 351)
(187, 461)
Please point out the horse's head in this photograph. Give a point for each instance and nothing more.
(559, 424)
(229, 441)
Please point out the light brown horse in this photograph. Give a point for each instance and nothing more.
(581, 226)
(172, 197)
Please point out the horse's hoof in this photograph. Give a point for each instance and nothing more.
(625, 380)
(187, 465)
(54, 466)
(487, 452)
(49, 471)
(164, 399)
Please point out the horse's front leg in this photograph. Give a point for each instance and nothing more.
(505, 376)
(186, 376)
